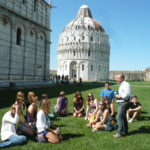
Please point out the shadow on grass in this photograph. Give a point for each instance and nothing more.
(69, 114)
(144, 118)
(70, 136)
(141, 130)
(8, 96)
(61, 125)
(144, 112)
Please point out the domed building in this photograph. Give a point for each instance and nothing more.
(84, 49)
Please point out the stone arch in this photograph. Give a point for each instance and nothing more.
(18, 26)
(82, 63)
(73, 69)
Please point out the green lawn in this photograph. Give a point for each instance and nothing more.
(76, 135)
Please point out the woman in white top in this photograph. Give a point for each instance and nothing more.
(45, 134)
(8, 130)
(102, 118)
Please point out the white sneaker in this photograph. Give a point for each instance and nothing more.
(131, 120)
(85, 118)
(94, 130)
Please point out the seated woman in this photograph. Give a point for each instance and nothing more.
(22, 126)
(61, 108)
(24, 106)
(134, 111)
(102, 120)
(92, 107)
(46, 134)
(44, 96)
(20, 94)
(32, 112)
(8, 130)
(109, 106)
(78, 104)
(51, 116)
(31, 95)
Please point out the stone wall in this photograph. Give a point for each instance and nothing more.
(129, 75)
(24, 40)
(147, 74)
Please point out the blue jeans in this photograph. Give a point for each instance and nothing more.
(122, 119)
(13, 140)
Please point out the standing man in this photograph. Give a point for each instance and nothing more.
(123, 98)
(108, 92)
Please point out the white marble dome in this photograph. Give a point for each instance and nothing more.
(83, 48)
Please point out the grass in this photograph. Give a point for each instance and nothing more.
(76, 135)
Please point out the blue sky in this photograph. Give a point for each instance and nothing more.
(126, 21)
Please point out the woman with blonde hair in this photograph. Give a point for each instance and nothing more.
(32, 112)
(103, 119)
(22, 126)
(92, 107)
(45, 133)
(31, 95)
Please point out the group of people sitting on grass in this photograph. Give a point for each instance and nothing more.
(26, 119)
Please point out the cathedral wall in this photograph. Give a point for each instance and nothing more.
(25, 43)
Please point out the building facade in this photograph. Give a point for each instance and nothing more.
(24, 40)
(83, 49)
(132, 75)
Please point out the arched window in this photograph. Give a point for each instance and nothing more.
(31, 33)
(91, 38)
(91, 67)
(82, 67)
(41, 37)
(74, 53)
(89, 53)
(74, 38)
(23, 1)
(82, 37)
(35, 5)
(18, 36)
